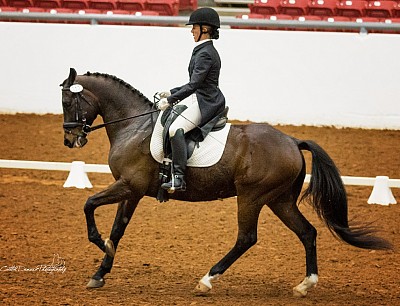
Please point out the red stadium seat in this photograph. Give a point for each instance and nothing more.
(76, 4)
(48, 3)
(20, 3)
(131, 5)
(164, 7)
(294, 7)
(103, 5)
(396, 10)
(265, 7)
(8, 9)
(380, 9)
(247, 17)
(351, 8)
(188, 5)
(3, 3)
(322, 7)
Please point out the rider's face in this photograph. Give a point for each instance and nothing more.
(196, 32)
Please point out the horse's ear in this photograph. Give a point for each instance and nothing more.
(71, 77)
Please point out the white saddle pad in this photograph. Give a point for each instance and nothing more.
(207, 154)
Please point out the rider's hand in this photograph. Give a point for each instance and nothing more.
(163, 104)
(165, 94)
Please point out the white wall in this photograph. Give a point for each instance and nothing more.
(309, 78)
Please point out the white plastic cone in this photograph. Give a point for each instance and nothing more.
(77, 176)
(381, 193)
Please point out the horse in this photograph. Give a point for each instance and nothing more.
(260, 165)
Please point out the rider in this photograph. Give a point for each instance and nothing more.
(204, 98)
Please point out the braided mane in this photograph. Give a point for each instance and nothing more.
(118, 80)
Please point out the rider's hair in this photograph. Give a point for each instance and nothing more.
(213, 31)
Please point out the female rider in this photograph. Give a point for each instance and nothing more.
(202, 96)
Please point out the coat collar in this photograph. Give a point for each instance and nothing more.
(202, 45)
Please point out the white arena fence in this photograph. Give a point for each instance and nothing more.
(381, 193)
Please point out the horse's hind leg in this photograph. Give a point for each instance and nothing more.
(122, 218)
(248, 213)
(289, 214)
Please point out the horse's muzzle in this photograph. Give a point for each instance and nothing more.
(75, 142)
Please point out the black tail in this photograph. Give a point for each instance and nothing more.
(327, 195)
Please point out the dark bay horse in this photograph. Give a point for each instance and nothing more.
(260, 165)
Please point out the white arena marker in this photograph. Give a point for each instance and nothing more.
(77, 176)
(381, 193)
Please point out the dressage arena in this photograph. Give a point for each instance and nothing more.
(168, 247)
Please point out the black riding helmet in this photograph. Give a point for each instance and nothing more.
(205, 16)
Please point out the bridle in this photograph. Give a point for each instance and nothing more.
(80, 118)
(77, 89)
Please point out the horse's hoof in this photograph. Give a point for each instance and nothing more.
(110, 249)
(299, 293)
(201, 289)
(308, 283)
(95, 283)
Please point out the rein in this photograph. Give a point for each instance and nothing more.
(88, 128)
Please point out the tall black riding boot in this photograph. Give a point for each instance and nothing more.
(179, 160)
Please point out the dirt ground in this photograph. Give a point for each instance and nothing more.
(168, 247)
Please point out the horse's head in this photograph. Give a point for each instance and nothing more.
(79, 111)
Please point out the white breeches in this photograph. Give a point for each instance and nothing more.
(190, 117)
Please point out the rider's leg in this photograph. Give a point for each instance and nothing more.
(184, 123)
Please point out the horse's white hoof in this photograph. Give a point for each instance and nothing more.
(201, 289)
(110, 249)
(308, 283)
(298, 292)
(95, 283)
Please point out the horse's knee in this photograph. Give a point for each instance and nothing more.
(89, 207)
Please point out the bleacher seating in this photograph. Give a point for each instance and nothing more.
(380, 9)
(131, 5)
(396, 10)
(265, 7)
(302, 10)
(322, 7)
(187, 5)
(20, 3)
(351, 8)
(294, 7)
(76, 4)
(103, 5)
(48, 3)
(164, 7)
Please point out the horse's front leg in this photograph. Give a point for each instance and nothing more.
(122, 218)
(117, 192)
